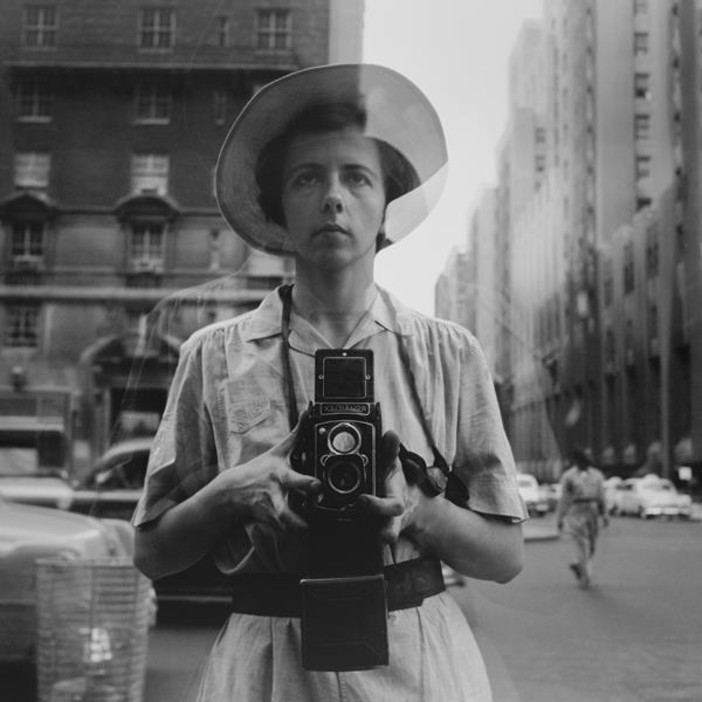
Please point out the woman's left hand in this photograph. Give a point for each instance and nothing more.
(399, 499)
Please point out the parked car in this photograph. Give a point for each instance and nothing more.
(23, 480)
(551, 492)
(112, 488)
(534, 499)
(28, 532)
(611, 487)
(651, 496)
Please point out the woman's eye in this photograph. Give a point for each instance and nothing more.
(357, 178)
(303, 179)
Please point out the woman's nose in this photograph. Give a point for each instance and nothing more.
(332, 200)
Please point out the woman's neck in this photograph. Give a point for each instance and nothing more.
(333, 304)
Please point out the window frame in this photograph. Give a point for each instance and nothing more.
(38, 162)
(150, 167)
(642, 126)
(38, 98)
(149, 254)
(152, 96)
(267, 34)
(27, 245)
(46, 32)
(642, 43)
(158, 28)
(22, 329)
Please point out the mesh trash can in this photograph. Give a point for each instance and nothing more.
(92, 621)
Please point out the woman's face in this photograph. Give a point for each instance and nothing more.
(333, 197)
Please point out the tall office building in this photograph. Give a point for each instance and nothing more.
(603, 247)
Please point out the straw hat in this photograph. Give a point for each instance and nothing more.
(397, 113)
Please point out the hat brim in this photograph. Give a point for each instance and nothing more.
(397, 113)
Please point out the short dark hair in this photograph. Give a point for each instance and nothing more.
(581, 457)
(399, 176)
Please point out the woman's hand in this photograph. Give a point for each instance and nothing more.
(394, 507)
(258, 490)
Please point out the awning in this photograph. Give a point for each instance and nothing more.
(609, 456)
(630, 455)
(683, 451)
(654, 449)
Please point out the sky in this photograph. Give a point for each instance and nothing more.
(457, 52)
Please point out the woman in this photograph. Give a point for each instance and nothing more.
(580, 507)
(331, 164)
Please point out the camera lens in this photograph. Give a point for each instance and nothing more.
(344, 438)
(344, 476)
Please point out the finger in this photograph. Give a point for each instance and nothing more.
(292, 520)
(389, 449)
(292, 480)
(382, 506)
(390, 532)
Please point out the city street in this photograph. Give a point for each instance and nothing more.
(634, 637)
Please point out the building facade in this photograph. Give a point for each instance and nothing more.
(598, 201)
(111, 117)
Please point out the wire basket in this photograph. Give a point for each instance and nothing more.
(92, 617)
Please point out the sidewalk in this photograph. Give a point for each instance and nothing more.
(540, 529)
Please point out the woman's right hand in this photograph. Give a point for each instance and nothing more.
(258, 490)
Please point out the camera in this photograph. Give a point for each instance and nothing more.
(338, 441)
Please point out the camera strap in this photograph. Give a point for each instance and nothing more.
(433, 480)
(293, 414)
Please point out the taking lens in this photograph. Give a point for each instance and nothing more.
(344, 475)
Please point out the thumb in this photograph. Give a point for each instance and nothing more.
(293, 480)
(388, 450)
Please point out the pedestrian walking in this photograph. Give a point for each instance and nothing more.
(330, 165)
(580, 507)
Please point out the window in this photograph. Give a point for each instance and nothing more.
(147, 247)
(608, 287)
(219, 107)
(153, 104)
(628, 267)
(610, 346)
(39, 26)
(150, 173)
(223, 32)
(157, 28)
(27, 247)
(652, 258)
(642, 126)
(642, 86)
(22, 326)
(274, 30)
(32, 170)
(643, 166)
(640, 43)
(34, 102)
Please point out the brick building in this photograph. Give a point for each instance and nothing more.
(111, 117)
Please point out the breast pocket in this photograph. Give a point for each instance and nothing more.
(245, 403)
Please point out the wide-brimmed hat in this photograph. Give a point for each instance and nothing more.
(397, 113)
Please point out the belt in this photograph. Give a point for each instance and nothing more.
(279, 594)
(580, 500)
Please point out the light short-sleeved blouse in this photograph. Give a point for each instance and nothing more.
(227, 404)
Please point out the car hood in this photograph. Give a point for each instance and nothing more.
(52, 492)
(26, 526)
